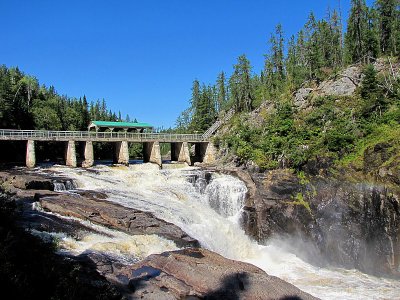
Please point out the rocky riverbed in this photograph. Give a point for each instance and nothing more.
(193, 272)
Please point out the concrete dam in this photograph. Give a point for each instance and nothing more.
(204, 150)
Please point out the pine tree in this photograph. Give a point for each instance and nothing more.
(370, 91)
(274, 64)
(357, 27)
(221, 92)
(313, 52)
(240, 85)
(372, 35)
(336, 47)
(85, 114)
(387, 25)
(195, 93)
(396, 34)
(197, 107)
(291, 62)
(182, 123)
(277, 50)
(268, 76)
(295, 66)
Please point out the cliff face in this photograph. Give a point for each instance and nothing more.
(340, 222)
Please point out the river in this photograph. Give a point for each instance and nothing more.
(208, 208)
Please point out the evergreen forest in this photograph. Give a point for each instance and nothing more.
(270, 130)
(25, 104)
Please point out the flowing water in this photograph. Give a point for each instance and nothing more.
(207, 207)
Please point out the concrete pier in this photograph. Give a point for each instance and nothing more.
(30, 154)
(151, 153)
(205, 152)
(70, 157)
(88, 155)
(180, 152)
(121, 155)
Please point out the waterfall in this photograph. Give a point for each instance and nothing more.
(225, 194)
(206, 205)
(64, 185)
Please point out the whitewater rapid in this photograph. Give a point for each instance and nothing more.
(208, 209)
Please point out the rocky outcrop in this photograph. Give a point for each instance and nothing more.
(91, 206)
(195, 274)
(382, 161)
(357, 225)
(301, 97)
(354, 225)
(344, 84)
(86, 205)
(15, 181)
(24, 181)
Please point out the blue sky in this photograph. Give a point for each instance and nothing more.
(142, 56)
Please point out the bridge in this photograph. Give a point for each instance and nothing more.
(180, 149)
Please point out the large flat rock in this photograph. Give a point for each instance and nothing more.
(19, 180)
(200, 274)
(92, 206)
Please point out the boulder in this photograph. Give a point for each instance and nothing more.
(197, 274)
(23, 181)
(301, 97)
(344, 84)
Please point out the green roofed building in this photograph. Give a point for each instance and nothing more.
(120, 126)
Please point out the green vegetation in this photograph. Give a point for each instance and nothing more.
(380, 134)
(25, 104)
(285, 134)
(299, 200)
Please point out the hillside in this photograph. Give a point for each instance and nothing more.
(350, 120)
(324, 97)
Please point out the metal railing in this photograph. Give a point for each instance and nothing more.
(45, 135)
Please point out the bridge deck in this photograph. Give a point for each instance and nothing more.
(42, 135)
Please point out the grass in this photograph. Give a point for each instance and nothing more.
(389, 133)
(299, 200)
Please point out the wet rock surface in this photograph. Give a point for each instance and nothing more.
(195, 274)
(86, 205)
(352, 224)
(18, 180)
(15, 180)
(90, 206)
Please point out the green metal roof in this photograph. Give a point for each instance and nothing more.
(121, 124)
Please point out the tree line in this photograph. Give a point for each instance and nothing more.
(317, 51)
(25, 104)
